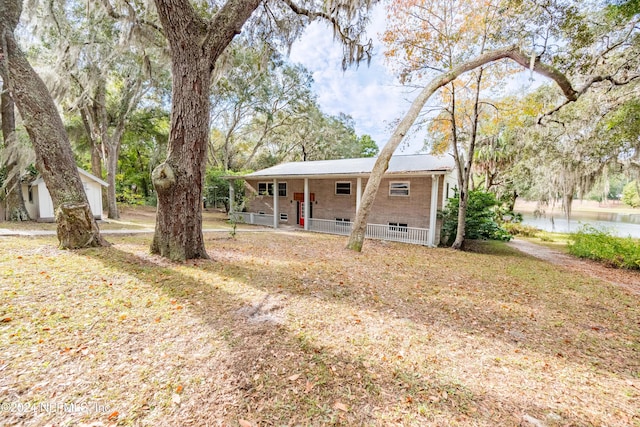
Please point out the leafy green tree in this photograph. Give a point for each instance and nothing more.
(143, 146)
(368, 147)
(631, 194)
(106, 58)
(483, 218)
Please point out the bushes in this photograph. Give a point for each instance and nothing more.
(519, 229)
(630, 195)
(600, 245)
(482, 219)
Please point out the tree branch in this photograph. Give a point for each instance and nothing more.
(118, 16)
(361, 51)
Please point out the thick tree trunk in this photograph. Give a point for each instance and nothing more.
(14, 202)
(178, 181)
(54, 157)
(195, 47)
(112, 169)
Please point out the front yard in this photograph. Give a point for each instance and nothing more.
(290, 328)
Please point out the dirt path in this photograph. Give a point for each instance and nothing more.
(627, 279)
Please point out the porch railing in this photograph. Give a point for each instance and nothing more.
(253, 218)
(393, 233)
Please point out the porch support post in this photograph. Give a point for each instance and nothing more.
(232, 197)
(358, 194)
(433, 211)
(276, 215)
(306, 204)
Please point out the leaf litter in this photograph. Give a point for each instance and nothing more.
(292, 329)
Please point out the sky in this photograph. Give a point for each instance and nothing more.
(372, 95)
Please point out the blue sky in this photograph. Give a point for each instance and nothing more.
(371, 95)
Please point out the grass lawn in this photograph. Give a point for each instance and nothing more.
(293, 329)
(131, 218)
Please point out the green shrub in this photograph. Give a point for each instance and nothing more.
(519, 229)
(482, 218)
(630, 195)
(600, 245)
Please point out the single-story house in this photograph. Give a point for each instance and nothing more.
(38, 201)
(324, 196)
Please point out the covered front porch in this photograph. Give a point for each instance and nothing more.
(416, 236)
(285, 208)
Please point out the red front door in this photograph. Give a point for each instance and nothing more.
(301, 213)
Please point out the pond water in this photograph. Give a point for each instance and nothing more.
(618, 224)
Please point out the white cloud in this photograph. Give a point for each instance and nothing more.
(371, 95)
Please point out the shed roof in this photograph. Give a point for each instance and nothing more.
(82, 172)
(414, 164)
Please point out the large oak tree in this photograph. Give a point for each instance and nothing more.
(197, 38)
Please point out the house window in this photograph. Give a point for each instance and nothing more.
(343, 222)
(30, 194)
(399, 188)
(400, 227)
(266, 189)
(282, 189)
(343, 188)
(284, 217)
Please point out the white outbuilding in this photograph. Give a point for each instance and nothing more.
(38, 201)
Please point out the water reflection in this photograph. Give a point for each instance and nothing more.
(617, 223)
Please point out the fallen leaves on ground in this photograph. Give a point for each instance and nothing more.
(293, 329)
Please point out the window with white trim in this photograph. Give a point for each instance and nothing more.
(343, 188)
(399, 188)
(400, 227)
(266, 189)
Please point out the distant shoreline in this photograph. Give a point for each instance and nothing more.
(613, 206)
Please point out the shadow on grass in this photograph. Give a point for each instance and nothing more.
(519, 300)
(284, 376)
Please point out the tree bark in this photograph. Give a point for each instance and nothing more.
(112, 170)
(195, 46)
(356, 239)
(15, 208)
(54, 157)
(466, 176)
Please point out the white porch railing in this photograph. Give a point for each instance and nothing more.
(416, 236)
(330, 227)
(253, 218)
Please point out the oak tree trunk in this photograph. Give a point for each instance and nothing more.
(15, 208)
(54, 157)
(178, 181)
(195, 45)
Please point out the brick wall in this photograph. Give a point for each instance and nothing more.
(412, 210)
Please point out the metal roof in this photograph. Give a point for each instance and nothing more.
(413, 164)
(39, 179)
